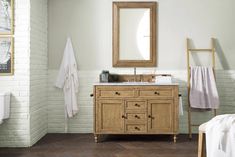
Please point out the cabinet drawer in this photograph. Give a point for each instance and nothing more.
(116, 92)
(156, 92)
(136, 105)
(136, 117)
(135, 128)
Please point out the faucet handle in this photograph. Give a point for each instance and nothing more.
(153, 78)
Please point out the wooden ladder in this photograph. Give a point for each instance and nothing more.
(193, 50)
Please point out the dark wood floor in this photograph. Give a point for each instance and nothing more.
(83, 145)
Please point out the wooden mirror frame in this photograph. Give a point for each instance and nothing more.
(153, 41)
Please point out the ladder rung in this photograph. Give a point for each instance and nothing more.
(201, 50)
(195, 125)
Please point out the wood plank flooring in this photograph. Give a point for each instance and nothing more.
(83, 145)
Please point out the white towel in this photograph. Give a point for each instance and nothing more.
(181, 111)
(163, 79)
(203, 91)
(5, 106)
(68, 80)
(220, 136)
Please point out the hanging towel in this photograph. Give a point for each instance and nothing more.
(181, 111)
(220, 136)
(4, 106)
(203, 91)
(68, 80)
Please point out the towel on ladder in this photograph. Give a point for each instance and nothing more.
(203, 91)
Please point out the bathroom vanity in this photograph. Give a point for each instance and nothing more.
(135, 108)
(135, 104)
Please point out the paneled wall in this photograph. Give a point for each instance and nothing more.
(83, 122)
(15, 130)
(38, 70)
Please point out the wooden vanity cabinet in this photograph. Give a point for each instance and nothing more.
(122, 109)
(161, 118)
(110, 116)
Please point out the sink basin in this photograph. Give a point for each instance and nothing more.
(135, 82)
(145, 83)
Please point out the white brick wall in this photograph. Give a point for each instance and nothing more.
(38, 69)
(15, 131)
(83, 122)
(28, 119)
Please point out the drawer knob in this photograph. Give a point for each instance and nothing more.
(137, 105)
(156, 93)
(117, 93)
(137, 128)
(136, 116)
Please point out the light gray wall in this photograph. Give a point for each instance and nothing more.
(89, 23)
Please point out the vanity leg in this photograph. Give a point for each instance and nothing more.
(175, 138)
(96, 138)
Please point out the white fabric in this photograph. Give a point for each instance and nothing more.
(163, 79)
(203, 91)
(4, 106)
(68, 80)
(181, 111)
(220, 136)
(202, 127)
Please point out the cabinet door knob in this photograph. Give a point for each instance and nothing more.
(150, 116)
(123, 116)
(137, 128)
(136, 116)
(137, 105)
(156, 93)
(117, 93)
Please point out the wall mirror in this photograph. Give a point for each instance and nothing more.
(134, 34)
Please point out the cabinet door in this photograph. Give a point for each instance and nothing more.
(110, 116)
(160, 116)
